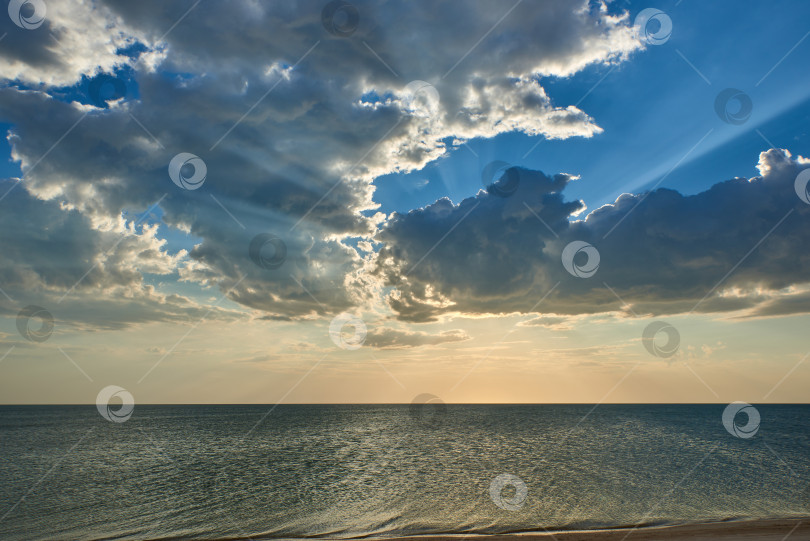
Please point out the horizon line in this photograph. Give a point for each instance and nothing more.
(422, 404)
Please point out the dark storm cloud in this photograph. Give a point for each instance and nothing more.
(662, 252)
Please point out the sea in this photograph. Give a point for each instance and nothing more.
(380, 471)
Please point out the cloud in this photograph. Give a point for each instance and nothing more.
(730, 248)
(89, 275)
(390, 338)
(77, 38)
(549, 321)
(292, 122)
(120, 309)
(789, 301)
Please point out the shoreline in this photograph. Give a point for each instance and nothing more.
(794, 529)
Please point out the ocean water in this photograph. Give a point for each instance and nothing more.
(224, 472)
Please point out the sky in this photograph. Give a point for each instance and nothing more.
(333, 202)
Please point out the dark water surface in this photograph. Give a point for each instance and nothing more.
(346, 471)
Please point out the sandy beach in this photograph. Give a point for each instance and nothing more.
(759, 530)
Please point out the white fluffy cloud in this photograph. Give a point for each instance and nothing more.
(77, 38)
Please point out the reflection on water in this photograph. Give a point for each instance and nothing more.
(186, 471)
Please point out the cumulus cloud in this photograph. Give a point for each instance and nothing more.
(89, 275)
(76, 38)
(738, 246)
(391, 338)
(293, 123)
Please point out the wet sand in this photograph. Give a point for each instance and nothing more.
(759, 530)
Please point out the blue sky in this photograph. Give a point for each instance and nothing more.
(653, 109)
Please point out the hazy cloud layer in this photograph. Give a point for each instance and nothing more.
(390, 338)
